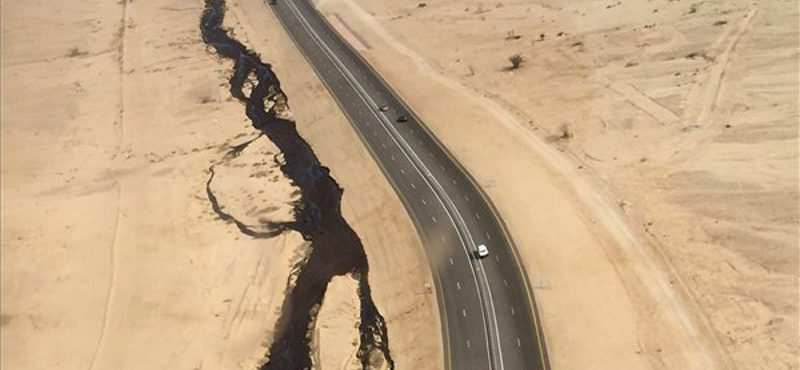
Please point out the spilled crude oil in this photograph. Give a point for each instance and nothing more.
(335, 247)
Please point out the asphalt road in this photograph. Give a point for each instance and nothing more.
(489, 318)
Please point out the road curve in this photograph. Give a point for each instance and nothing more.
(489, 318)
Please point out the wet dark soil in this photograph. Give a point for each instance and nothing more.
(335, 248)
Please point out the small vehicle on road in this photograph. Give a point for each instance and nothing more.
(402, 118)
(482, 251)
(384, 108)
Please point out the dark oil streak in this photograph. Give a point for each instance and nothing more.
(247, 230)
(234, 152)
(335, 248)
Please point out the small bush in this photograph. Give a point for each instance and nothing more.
(511, 35)
(75, 52)
(565, 133)
(515, 60)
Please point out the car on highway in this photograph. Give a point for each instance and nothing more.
(482, 251)
(402, 118)
(384, 108)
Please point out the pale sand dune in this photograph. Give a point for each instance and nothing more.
(336, 328)
(112, 257)
(662, 232)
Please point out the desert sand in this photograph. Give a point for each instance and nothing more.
(644, 156)
(112, 257)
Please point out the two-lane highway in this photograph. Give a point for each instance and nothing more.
(488, 312)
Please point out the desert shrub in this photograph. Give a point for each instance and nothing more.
(515, 60)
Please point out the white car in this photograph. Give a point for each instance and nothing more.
(482, 251)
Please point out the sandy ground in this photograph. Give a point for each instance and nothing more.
(644, 157)
(112, 257)
(335, 328)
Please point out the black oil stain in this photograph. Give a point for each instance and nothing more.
(335, 248)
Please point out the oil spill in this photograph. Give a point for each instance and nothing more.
(335, 247)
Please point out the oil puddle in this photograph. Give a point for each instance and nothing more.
(335, 248)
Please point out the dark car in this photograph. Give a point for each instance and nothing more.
(402, 118)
